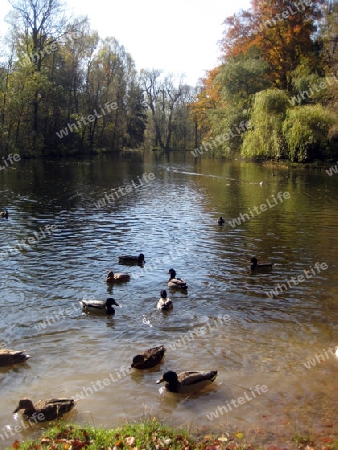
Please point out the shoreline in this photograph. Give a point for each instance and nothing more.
(151, 433)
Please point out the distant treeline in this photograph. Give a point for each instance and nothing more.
(277, 85)
(63, 90)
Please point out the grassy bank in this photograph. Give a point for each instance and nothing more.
(146, 435)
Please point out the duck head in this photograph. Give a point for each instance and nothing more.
(172, 273)
(254, 262)
(141, 257)
(170, 377)
(24, 403)
(163, 293)
(109, 305)
(110, 302)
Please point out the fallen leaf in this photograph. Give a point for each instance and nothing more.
(239, 435)
(327, 440)
(130, 440)
(222, 439)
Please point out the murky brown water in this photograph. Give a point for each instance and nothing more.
(172, 219)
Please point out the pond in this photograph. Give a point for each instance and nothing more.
(70, 220)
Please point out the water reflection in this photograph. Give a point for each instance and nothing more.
(174, 223)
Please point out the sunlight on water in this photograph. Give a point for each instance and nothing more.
(284, 341)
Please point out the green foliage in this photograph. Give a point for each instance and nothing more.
(306, 132)
(242, 76)
(265, 139)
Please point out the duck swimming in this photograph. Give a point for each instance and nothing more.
(262, 266)
(220, 221)
(117, 277)
(129, 259)
(176, 282)
(9, 357)
(149, 358)
(164, 303)
(4, 214)
(187, 382)
(45, 410)
(99, 306)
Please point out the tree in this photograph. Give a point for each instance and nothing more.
(306, 131)
(266, 139)
(42, 23)
(282, 30)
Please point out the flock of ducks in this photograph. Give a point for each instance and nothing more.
(184, 382)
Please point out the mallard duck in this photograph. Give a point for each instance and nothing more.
(149, 358)
(4, 214)
(164, 303)
(9, 357)
(187, 382)
(176, 282)
(129, 259)
(262, 266)
(220, 221)
(117, 277)
(99, 306)
(45, 410)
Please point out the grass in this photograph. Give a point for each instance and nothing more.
(150, 434)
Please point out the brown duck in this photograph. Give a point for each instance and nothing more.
(9, 357)
(45, 410)
(149, 358)
(117, 277)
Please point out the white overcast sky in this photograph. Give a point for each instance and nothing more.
(176, 36)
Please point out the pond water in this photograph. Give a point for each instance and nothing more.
(68, 223)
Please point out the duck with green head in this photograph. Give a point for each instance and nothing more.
(164, 303)
(187, 382)
(176, 282)
(99, 306)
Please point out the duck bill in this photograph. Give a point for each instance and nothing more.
(16, 410)
(159, 381)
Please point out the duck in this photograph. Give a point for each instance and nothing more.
(220, 221)
(9, 357)
(129, 259)
(117, 277)
(99, 306)
(164, 303)
(149, 358)
(176, 282)
(187, 382)
(45, 410)
(262, 266)
(4, 214)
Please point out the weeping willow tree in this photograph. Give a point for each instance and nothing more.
(265, 139)
(306, 131)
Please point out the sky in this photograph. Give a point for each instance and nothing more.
(176, 36)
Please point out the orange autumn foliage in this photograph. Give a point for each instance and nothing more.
(281, 30)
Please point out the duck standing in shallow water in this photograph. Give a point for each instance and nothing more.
(9, 357)
(149, 358)
(99, 306)
(117, 277)
(176, 282)
(130, 259)
(187, 382)
(262, 266)
(45, 410)
(164, 303)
